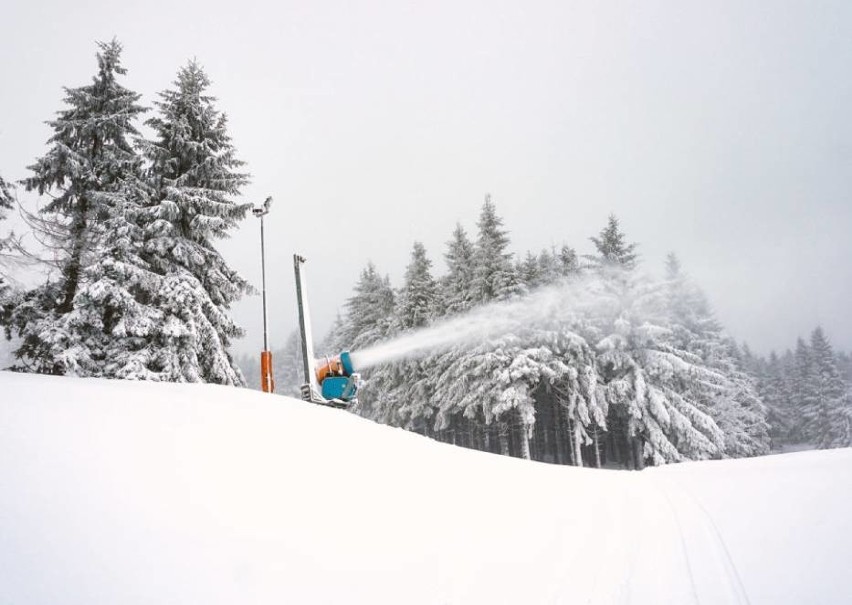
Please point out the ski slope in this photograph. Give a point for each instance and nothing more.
(118, 492)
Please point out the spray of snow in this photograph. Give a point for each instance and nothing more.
(545, 307)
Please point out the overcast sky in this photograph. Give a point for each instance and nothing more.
(719, 130)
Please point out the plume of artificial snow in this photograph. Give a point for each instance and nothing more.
(542, 308)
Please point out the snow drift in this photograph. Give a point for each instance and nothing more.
(117, 492)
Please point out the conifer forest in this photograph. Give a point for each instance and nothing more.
(639, 372)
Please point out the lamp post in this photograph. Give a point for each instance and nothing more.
(266, 381)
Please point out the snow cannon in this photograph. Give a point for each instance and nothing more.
(337, 377)
(329, 381)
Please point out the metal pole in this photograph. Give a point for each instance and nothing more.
(267, 383)
(263, 280)
(307, 355)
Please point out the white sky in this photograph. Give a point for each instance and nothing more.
(719, 130)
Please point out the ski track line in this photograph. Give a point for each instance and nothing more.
(686, 557)
(611, 550)
(662, 534)
(698, 519)
(732, 568)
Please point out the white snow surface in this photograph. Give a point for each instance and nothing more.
(120, 492)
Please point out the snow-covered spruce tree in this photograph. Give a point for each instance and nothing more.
(417, 296)
(772, 389)
(456, 293)
(530, 271)
(114, 302)
(646, 373)
(495, 278)
(416, 306)
(570, 396)
(370, 312)
(88, 227)
(737, 407)
(800, 391)
(196, 176)
(389, 396)
(612, 247)
(549, 267)
(569, 264)
(731, 398)
(494, 274)
(825, 391)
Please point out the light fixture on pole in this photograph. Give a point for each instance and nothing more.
(266, 380)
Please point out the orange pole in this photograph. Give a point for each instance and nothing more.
(267, 383)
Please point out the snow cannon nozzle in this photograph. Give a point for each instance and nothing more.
(346, 362)
(339, 365)
(337, 378)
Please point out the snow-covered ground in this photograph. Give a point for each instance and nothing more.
(117, 492)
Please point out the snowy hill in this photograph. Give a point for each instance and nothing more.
(117, 492)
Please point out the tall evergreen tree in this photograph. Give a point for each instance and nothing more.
(650, 379)
(495, 276)
(417, 299)
(457, 285)
(408, 383)
(65, 323)
(772, 390)
(196, 177)
(530, 271)
(370, 312)
(612, 247)
(730, 395)
(569, 264)
(824, 393)
(800, 391)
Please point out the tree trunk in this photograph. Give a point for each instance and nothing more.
(559, 446)
(75, 261)
(503, 435)
(631, 453)
(578, 453)
(639, 456)
(525, 441)
(597, 448)
(572, 451)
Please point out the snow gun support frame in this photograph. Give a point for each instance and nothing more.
(330, 381)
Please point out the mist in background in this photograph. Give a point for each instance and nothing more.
(720, 131)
